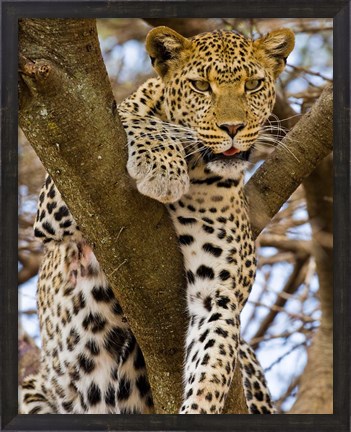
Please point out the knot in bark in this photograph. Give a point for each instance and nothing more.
(37, 70)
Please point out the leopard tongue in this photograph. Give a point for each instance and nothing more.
(231, 152)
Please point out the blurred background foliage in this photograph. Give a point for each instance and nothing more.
(283, 312)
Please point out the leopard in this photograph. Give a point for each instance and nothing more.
(190, 132)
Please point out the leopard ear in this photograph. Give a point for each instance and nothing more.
(274, 49)
(165, 48)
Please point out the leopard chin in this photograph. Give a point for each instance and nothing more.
(230, 167)
(227, 165)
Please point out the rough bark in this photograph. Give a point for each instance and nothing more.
(315, 394)
(68, 113)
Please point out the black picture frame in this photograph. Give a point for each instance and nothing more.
(11, 11)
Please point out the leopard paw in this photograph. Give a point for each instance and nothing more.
(161, 178)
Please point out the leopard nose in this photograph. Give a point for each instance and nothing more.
(232, 129)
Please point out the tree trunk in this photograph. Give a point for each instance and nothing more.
(69, 115)
(315, 394)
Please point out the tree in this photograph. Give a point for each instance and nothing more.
(68, 113)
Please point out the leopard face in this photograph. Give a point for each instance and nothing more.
(219, 84)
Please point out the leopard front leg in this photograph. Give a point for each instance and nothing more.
(211, 357)
(219, 259)
(156, 160)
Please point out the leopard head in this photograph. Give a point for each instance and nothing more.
(219, 84)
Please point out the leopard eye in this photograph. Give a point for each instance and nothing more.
(201, 85)
(253, 85)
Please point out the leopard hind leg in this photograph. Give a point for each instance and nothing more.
(257, 395)
(33, 397)
(134, 392)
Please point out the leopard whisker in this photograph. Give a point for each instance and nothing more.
(196, 151)
(269, 141)
(279, 120)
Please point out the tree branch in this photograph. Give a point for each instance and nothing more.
(302, 149)
(28, 356)
(31, 263)
(285, 243)
(290, 287)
